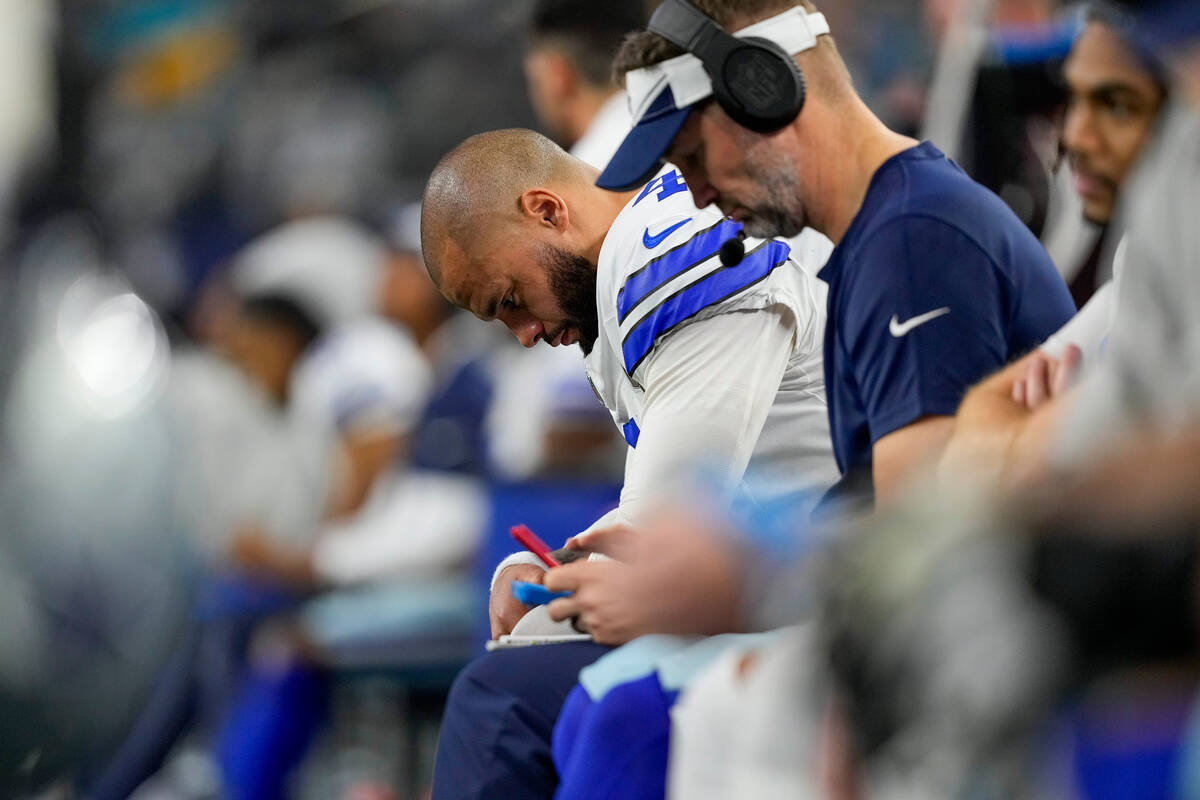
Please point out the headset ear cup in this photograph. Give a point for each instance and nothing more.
(759, 85)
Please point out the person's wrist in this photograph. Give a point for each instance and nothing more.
(522, 558)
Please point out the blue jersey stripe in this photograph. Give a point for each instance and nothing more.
(696, 297)
(632, 432)
(701, 247)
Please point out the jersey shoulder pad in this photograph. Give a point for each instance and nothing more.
(686, 279)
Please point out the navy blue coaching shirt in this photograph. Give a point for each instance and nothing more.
(935, 285)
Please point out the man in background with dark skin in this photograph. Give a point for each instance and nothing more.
(1113, 101)
(1113, 91)
(1115, 95)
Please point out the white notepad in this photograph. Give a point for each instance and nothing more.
(536, 627)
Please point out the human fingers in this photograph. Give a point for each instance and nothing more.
(1037, 381)
(504, 610)
(1018, 391)
(615, 541)
(604, 628)
(568, 577)
(503, 616)
(1068, 369)
(563, 608)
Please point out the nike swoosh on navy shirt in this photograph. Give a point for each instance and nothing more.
(898, 328)
(653, 241)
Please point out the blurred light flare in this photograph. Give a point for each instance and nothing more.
(113, 344)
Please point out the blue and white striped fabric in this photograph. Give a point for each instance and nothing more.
(680, 284)
(696, 250)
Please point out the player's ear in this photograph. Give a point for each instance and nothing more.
(545, 207)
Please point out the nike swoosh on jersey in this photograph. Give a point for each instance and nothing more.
(898, 328)
(653, 241)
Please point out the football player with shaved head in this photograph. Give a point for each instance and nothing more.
(704, 345)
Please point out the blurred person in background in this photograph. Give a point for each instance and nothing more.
(545, 420)
(360, 378)
(280, 297)
(1126, 432)
(387, 565)
(267, 338)
(1145, 387)
(385, 531)
(369, 385)
(568, 71)
(452, 434)
(276, 469)
(1116, 91)
(1009, 423)
(330, 269)
(995, 108)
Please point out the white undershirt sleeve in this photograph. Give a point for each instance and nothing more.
(709, 388)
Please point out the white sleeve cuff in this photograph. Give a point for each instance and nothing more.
(523, 557)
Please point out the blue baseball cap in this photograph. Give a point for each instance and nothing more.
(641, 154)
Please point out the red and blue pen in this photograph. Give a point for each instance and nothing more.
(534, 594)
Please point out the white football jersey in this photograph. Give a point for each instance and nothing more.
(659, 272)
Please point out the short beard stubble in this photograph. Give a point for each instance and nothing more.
(572, 279)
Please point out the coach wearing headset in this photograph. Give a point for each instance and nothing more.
(934, 283)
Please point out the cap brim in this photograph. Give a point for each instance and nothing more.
(641, 154)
